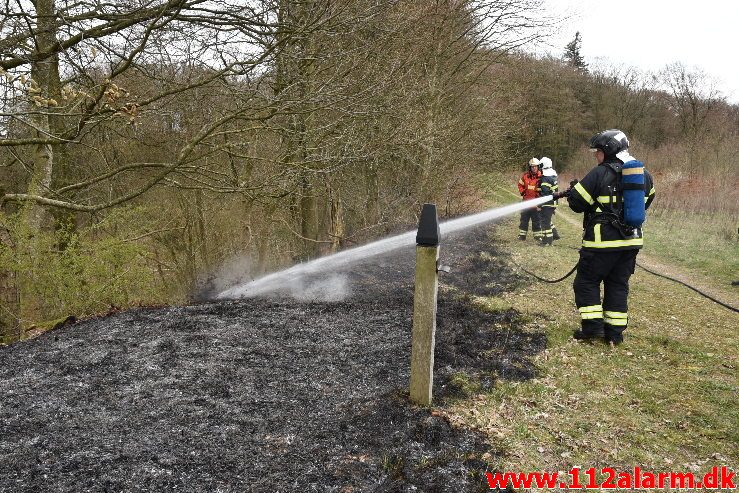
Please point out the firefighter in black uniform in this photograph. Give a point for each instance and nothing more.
(548, 186)
(609, 247)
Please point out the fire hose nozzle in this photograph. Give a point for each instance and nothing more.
(560, 195)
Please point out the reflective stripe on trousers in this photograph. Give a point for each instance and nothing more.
(590, 312)
(611, 270)
(619, 319)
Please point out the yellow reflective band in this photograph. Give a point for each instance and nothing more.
(590, 316)
(591, 308)
(619, 322)
(546, 184)
(613, 243)
(596, 233)
(604, 199)
(651, 192)
(632, 171)
(646, 199)
(610, 314)
(584, 193)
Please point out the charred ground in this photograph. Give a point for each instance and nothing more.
(262, 395)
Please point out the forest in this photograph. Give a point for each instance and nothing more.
(151, 147)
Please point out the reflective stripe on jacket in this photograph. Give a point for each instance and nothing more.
(599, 196)
(548, 186)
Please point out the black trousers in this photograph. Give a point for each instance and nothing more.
(545, 223)
(532, 215)
(613, 269)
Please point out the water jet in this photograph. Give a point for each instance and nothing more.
(291, 276)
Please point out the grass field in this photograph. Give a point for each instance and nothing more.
(665, 400)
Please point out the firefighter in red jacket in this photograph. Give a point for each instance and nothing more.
(528, 187)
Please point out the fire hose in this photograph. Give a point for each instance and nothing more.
(553, 281)
(574, 268)
(550, 281)
(733, 309)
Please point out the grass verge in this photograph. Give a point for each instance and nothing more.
(666, 400)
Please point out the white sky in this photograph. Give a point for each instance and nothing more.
(650, 34)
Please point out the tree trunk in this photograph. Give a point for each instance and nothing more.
(43, 74)
(337, 227)
(203, 243)
(9, 299)
(33, 215)
(373, 195)
(308, 217)
(263, 239)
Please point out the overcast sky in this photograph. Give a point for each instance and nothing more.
(650, 34)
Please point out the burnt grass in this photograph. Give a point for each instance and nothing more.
(264, 395)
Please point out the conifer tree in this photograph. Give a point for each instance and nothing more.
(572, 53)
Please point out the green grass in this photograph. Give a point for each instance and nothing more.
(664, 400)
(706, 244)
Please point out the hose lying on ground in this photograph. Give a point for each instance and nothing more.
(733, 309)
(552, 281)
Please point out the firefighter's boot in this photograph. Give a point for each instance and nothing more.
(581, 335)
(613, 336)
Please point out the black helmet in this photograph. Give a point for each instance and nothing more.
(611, 142)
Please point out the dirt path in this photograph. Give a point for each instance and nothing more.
(261, 395)
(695, 279)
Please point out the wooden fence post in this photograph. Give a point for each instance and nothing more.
(424, 307)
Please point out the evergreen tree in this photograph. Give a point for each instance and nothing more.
(572, 53)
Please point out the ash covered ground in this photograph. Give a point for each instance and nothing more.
(262, 395)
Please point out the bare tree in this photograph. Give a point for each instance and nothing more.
(293, 127)
(695, 97)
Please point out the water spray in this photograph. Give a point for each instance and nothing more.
(292, 276)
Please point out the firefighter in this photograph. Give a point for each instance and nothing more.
(528, 187)
(548, 186)
(609, 246)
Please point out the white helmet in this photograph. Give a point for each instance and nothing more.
(533, 162)
(546, 163)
